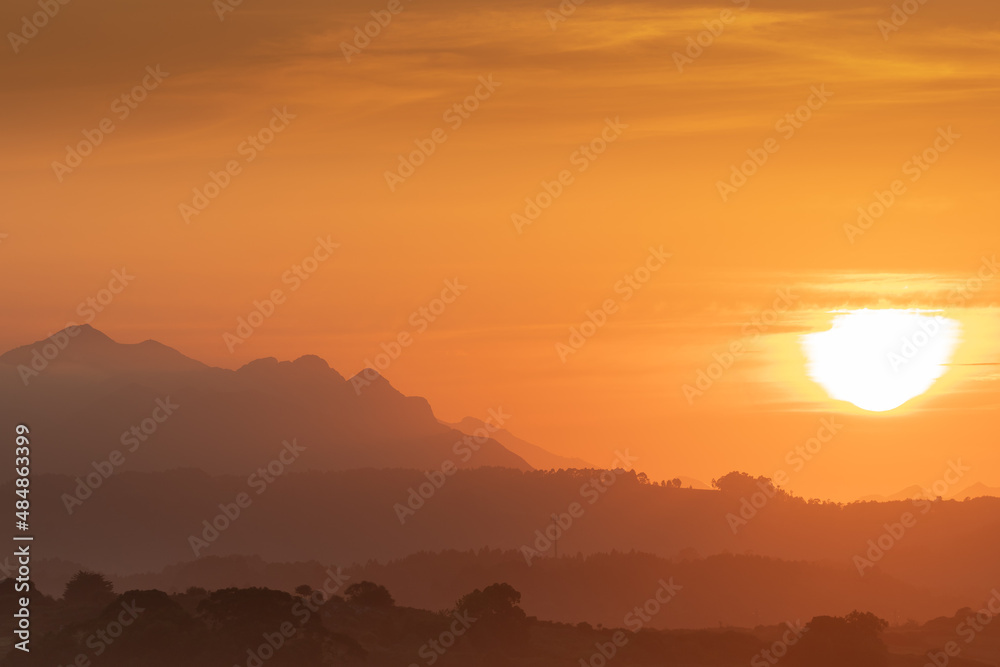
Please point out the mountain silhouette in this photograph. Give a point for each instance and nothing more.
(977, 490)
(536, 456)
(92, 349)
(84, 394)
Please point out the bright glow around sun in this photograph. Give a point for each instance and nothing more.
(880, 359)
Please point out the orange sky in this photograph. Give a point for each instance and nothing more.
(656, 184)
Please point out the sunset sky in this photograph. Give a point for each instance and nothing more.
(608, 71)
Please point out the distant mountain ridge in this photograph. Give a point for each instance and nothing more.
(83, 393)
(976, 490)
(540, 458)
(536, 456)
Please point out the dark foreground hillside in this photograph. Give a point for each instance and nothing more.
(363, 626)
(730, 590)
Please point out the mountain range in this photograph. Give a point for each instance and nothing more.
(377, 481)
(87, 396)
(976, 490)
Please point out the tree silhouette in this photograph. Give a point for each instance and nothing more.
(244, 607)
(867, 622)
(494, 600)
(832, 641)
(88, 589)
(368, 594)
(498, 620)
(741, 484)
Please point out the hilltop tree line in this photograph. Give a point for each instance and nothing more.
(91, 624)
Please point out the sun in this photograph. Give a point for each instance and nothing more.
(880, 359)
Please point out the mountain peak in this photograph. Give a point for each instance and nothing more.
(311, 361)
(85, 332)
(307, 367)
(83, 345)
